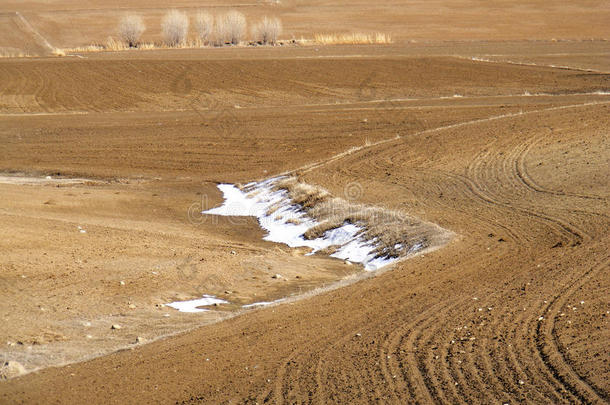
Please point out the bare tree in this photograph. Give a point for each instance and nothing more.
(130, 29)
(204, 24)
(233, 27)
(174, 27)
(267, 30)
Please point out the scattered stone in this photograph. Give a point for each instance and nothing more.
(276, 276)
(86, 324)
(233, 252)
(116, 326)
(140, 339)
(89, 336)
(348, 262)
(228, 292)
(121, 282)
(541, 319)
(521, 382)
(11, 369)
(132, 306)
(358, 334)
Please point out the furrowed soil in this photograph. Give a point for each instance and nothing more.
(106, 162)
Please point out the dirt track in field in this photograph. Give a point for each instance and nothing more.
(504, 143)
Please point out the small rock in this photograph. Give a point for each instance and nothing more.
(348, 262)
(115, 327)
(89, 336)
(86, 324)
(11, 369)
(121, 282)
(276, 276)
(140, 339)
(228, 292)
(233, 252)
(132, 306)
(358, 334)
(521, 382)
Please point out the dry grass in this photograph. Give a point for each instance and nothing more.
(394, 232)
(14, 54)
(353, 38)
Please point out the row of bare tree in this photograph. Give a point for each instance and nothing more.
(219, 30)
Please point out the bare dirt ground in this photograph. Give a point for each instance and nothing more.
(107, 159)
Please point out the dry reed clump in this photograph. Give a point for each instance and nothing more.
(6, 53)
(174, 28)
(267, 31)
(394, 233)
(114, 45)
(130, 29)
(353, 38)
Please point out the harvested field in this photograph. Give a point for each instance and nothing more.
(107, 161)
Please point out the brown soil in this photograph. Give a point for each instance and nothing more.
(512, 158)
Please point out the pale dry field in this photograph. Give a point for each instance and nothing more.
(492, 125)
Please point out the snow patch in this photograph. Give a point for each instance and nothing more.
(193, 305)
(263, 303)
(286, 222)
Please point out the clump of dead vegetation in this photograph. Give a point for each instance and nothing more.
(394, 233)
(353, 38)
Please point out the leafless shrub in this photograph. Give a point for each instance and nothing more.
(267, 30)
(204, 24)
(130, 29)
(174, 27)
(231, 27)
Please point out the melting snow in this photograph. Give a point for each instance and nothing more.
(262, 303)
(286, 222)
(192, 305)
